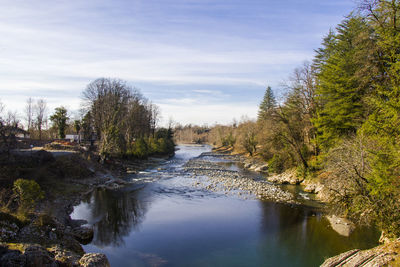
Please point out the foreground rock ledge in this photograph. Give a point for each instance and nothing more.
(384, 255)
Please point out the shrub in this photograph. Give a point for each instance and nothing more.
(139, 149)
(28, 193)
(228, 140)
(276, 164)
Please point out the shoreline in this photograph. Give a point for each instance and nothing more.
(50, 236)
(386, 253)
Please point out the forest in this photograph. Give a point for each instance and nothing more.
(339, 118)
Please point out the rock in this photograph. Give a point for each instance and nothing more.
(70, 243)
(262, 168)
(77, 223)
(385, 238)
(336, 260)
(368, 258)
(8, 231)
(38, 256)
(94, 260)
(288, 177)
(312, 186)
(324, 194)
(64, 256)
(83, 234)
(13, 258)
(342, 226)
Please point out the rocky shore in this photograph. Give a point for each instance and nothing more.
(384, 255)
(49, 237)
(219, 177)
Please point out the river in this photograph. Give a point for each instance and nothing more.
(163, 220)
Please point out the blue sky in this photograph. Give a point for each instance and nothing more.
(201, 61)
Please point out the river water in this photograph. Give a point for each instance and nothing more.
(163, 220)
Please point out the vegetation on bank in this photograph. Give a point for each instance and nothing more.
(115, 118)
(340, 118)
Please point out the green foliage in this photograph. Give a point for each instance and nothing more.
(87, 126)
(276, 164)
(161, 144)
(59, 119)
(77, 126)
(250, 143)
(228, 140)
(341, 90)
(267, 105)
(28, 193)
(139, 149)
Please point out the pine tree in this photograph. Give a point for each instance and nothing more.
(341, 91)
(267, 105)
(60, 118)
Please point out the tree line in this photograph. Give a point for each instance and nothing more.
(115, 115)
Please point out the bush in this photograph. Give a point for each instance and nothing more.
(228, 140)
(139, 149)
(276, 164)
(28, 193)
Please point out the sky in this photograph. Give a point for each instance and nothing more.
(200, 61)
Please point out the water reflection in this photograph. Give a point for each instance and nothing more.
(187, 226)
(114, 214)
(303, 236)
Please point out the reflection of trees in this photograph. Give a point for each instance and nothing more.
(116, 214)
(299, 235)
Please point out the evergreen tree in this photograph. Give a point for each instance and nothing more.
(383, 125)
(267, 105)
(341, 91)
(59, 119)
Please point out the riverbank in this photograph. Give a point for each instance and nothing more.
(47, 236)
(386, 254)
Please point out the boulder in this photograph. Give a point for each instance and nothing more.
(38, 256)
(13, 258)
(367, 258)
(94, 260)
(312, 186)
(287, 177)
(8, 231)
(262, 168)
(342, 226)
(83, 234)
(64, 256)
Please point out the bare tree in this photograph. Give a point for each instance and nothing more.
(40, 114)
(12, 118)
(29, 113)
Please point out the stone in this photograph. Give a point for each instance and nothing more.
(287, 177)
(385, 238)
(94, 260)
(13, 258)
(342, 226)
(262, 168)
(368, 258)
(38, 256)
(64, 256)
(83, 234)
(8, 231)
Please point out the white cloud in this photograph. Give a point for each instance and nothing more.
(53, 49)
